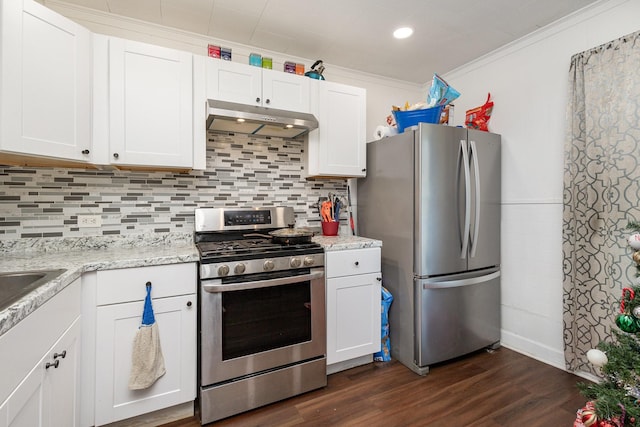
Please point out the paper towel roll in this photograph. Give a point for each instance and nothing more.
(382, 131)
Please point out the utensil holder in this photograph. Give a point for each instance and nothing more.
(330, 228)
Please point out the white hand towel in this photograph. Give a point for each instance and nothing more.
(147, 362)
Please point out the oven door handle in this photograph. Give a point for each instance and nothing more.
(217, 285)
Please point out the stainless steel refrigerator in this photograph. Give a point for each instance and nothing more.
(432, 195)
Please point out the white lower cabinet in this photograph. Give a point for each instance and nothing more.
(118, 301)
(353, 304)
(48, 394)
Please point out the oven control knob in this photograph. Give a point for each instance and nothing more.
(239, 268)
(295, 262)
(308, 261)
(268, 265)
(223, 270)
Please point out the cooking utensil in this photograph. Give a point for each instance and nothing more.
(325, 211)
(319, 205)
(286, 236)
(353, 227)
(336, 209)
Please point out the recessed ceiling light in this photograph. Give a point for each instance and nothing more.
(240, 120)
(403, 32)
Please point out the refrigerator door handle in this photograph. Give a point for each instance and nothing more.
(442, 283)
(467, 199)
(476, 168)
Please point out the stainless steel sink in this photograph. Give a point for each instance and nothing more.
(14, 286)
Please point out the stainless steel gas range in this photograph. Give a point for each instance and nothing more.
(262, 311)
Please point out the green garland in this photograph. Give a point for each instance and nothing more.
(622, 374)
(622, 377)
(621, 385)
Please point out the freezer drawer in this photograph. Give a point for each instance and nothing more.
(456, 315)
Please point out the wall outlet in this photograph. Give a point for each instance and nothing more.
(86, 221)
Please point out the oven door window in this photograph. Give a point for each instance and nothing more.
(257, 320)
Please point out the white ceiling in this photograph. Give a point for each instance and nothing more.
(356, 34)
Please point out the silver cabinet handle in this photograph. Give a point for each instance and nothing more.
(215, 286)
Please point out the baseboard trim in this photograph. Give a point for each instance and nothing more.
(162, 416)
(533, 349)
(348, 364)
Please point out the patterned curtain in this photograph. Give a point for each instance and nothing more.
(601, 191)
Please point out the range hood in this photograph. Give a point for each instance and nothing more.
(256, 120)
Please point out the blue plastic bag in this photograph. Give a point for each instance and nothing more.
(440, 92)
(384, 355)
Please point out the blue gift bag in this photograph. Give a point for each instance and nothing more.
(384, 355)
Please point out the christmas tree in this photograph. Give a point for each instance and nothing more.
(615, 401)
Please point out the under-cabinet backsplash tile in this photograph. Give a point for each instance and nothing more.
(241, 171)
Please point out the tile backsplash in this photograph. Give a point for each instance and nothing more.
(242, 170)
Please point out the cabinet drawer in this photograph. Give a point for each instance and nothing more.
(128, 284)
(354, 261)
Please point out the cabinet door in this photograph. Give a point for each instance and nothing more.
(234, 82)
(60, 390)
(25, 405)
(285, 91)
(45, 83)
(353, 316)
(116, 327)
(338, 146)
(150, 105)
(48, 396)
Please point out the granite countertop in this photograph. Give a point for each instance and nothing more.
(340, 243)
(77, 256)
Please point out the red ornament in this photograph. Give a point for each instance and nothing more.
(631, 294)
(589, 417)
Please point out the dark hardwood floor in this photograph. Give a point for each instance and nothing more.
(486, 389)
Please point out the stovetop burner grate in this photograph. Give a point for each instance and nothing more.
(237, 246)
(251, 249)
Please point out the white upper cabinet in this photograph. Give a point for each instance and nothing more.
(250, 85)
(286, 91)
(45, 82)
(338, 147)
(148, 116)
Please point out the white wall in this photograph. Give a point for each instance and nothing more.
(528, 81)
